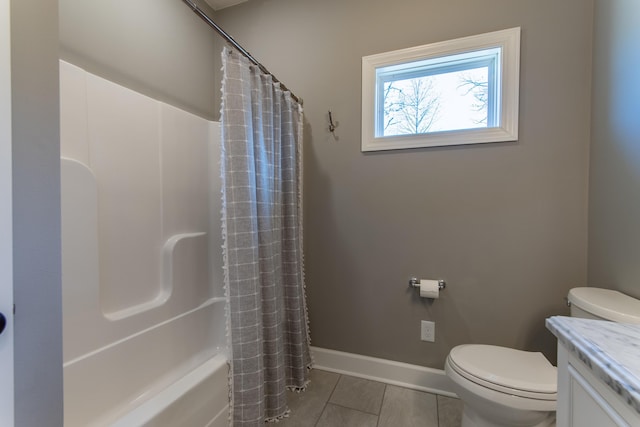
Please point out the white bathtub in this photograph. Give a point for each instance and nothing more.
(172, 371)
(200, 399)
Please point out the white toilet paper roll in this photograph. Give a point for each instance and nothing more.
(429, 289)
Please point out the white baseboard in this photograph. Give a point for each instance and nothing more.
(382, 370)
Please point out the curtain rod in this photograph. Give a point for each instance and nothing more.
(196, 9)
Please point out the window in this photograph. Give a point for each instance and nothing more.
(463, 91)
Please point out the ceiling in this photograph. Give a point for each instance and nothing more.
(221, 4)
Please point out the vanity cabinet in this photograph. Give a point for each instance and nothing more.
(584, 400)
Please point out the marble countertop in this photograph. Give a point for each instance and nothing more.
(610, 350)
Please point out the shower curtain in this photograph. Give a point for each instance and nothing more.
(262, 227)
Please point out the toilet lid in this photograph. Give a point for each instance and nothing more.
(522, 373)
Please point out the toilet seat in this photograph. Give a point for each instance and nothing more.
(519, 373)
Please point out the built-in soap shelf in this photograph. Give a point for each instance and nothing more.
(179, 253)
(169, 250)
(188, 242)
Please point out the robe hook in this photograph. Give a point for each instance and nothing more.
(332, 126)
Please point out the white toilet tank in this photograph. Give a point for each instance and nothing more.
(604, 304)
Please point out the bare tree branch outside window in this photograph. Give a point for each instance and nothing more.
(410, 106)
(480, 91)
(391, 105)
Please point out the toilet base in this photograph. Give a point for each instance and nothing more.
(471, 419)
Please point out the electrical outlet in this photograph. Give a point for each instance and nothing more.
(428, 331)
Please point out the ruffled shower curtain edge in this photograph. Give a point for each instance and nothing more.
(223, 219)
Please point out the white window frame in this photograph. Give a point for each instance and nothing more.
(507, 104)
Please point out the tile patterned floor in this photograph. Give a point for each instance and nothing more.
(334, 400)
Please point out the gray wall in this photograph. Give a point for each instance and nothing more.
(614, 189)
(156, 47)
(36, 213)
(505, 224)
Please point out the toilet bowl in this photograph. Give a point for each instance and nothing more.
(504, 387)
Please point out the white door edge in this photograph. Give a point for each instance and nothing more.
(6, 222)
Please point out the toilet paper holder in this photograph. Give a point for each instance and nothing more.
(414, 282)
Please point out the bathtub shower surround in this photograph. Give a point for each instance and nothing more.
(262, 226)
(143, 298)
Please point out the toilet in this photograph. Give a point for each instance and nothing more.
(504, 387)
